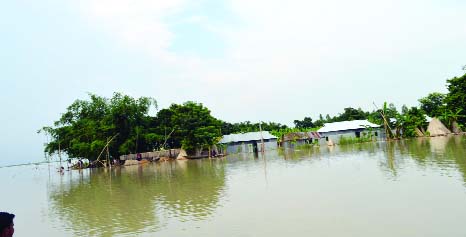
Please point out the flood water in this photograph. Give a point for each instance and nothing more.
(405, 188)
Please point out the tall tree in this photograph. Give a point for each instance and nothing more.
(352, 114)
(84, 129)
(305, 123)
(456, 97)
(433, 104)
(192, 124)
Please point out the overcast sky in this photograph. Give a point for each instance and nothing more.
(257, 60)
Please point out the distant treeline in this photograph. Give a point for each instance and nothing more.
(450, 108)
(124, 123)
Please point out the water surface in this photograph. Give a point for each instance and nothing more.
(405, 188)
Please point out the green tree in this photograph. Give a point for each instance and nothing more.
(350, 114)
(450, 119)
(456, 97)
(248, 126)
(87, 125)
(320, 122)
(305, 123)
(433, 104)
(194, 128)
(410, 122)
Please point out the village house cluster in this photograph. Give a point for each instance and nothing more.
(329, 134)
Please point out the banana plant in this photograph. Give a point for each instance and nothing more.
(450, 119)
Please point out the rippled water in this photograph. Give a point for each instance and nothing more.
(404, 188)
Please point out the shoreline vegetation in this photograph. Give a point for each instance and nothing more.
(102, 129)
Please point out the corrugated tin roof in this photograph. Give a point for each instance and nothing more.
(346, 125)
(245, 137)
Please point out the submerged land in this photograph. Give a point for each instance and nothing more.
(108, 128)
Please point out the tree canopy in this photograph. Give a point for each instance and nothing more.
(248, 126)
(191, 126)
(456, 98)
(88, 125)
(305, 123)
(433, 104)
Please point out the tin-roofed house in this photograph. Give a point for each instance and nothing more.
(249, 142)
(333, 132)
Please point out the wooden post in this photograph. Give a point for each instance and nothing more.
(262, 138)
(108, 155)
(108, 142)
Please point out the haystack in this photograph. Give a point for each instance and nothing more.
(436, 128)
(419, 133)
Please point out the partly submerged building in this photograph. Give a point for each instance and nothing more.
(249, 142)
(350, 129)
(293, 139)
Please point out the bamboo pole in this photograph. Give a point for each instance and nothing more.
(167, 137)
(108, 156)
(108, 142)
(388, 129)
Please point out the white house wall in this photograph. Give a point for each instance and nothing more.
(335, 136)
(247, 147)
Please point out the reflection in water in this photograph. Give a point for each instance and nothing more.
(437, 152)
(440, 152)
(136, 199)
(359, 186)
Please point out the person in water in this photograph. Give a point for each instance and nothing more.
(6, 224)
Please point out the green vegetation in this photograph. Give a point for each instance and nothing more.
(124, 124)
(455, 100)
(345, 140)
(87, 126)
(190, 126)
(247, 126)
(450, 108)
(282, 132)
(433, 104)
(305, 123)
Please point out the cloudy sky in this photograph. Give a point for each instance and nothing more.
(260, 60)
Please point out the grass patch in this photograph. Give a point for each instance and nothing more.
(354, 140)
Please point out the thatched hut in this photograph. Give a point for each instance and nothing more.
(436, 128)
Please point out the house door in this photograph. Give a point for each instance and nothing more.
(254, 147)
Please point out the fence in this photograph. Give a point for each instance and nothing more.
(172, 153)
